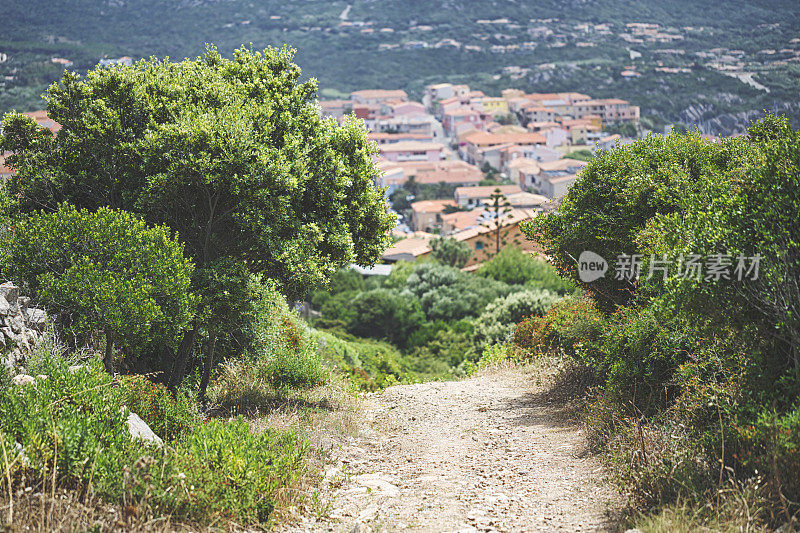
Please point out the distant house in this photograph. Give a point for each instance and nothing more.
(412, 151)
(335, 108)
(611, 110)
(461, 220)
(426, 215)
(474, 142)
(400, 109)
(460, 115)
(494, 106)
(482, 239)
(454, 172)
(471, 197)
(410, 248)
(390, 138)
(422, 124)
(378, 96)
(557, 177)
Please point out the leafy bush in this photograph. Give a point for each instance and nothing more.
(279, 352)
(700, 383)
(386, 314)
(104, 271)
(75, 420)
(450, 252)
(170, 415)
(571, 323)
(515, 267)
(370, 364)
(448, 294)
(497, 322)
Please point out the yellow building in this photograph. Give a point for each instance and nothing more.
(494, 106)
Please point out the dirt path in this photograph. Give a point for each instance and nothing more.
(487, 453)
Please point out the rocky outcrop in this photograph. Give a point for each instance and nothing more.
(21, 326)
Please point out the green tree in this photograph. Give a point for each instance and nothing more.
(499, 207)
(497, 321)
(104, 271)
(451, 252)
(620, 191)
(515, 267)
(386, 314)
(230, 154)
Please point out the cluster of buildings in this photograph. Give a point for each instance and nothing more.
(456, 136)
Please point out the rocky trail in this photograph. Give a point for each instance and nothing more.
(487, 453)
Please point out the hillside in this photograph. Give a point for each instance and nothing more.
(716, 66)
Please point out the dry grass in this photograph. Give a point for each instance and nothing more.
(65, 511)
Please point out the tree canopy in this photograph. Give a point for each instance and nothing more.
(231, 154)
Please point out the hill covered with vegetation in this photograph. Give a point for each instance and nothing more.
(714, 65)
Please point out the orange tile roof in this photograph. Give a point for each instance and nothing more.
(486, 191)
(461, 220)
(411, 146)
(432, 206)
(482, 138)
(431, 172)
(380, 93)
(415, 246)
(514, 217)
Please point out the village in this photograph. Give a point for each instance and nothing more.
(478, 164)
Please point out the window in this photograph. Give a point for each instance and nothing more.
(479, 245)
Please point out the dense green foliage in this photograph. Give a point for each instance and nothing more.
(515, 267)
(231, 155)
(75, 421)
(451, 252)
(105, 271)
(708, 363)
(434, 318)
(277, 352)
(497, 322)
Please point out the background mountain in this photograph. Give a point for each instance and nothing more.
(712, 64)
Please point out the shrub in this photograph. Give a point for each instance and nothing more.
(700, 380)
(225, 472)
(70, 419)
(497, 322)
(448, 294)
(104, 271)
(571, 323)
(75, 421)
(515, 267)
(451, 252)
(168, 414)
(280, 353)
(370, 364)
(386, 314)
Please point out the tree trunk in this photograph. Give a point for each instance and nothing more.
(208, 364)
(181, 357)
(108, 357)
